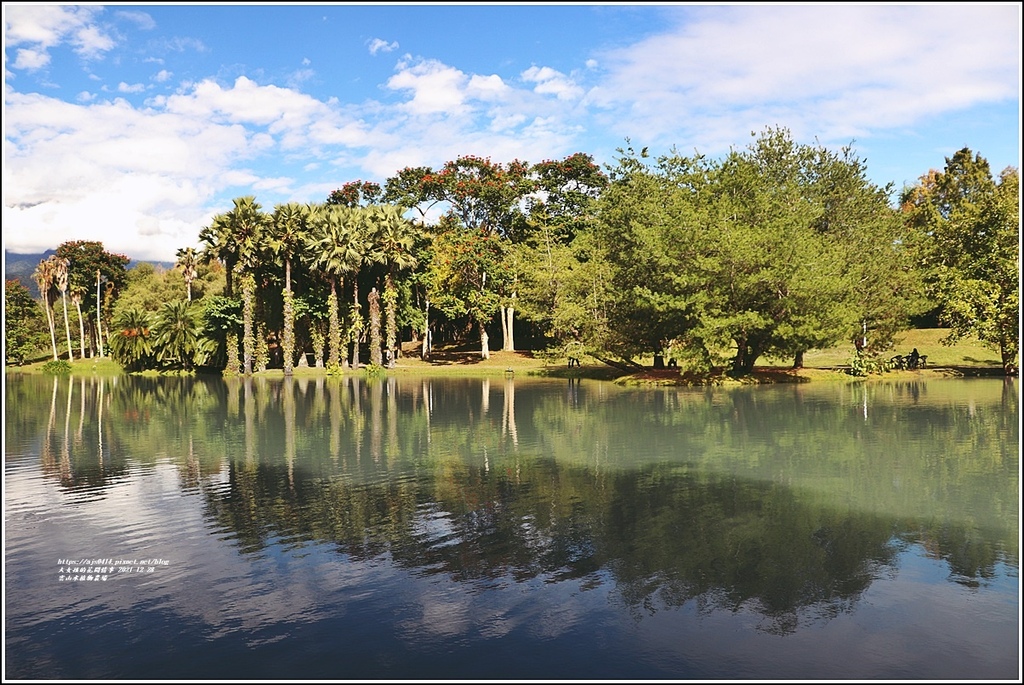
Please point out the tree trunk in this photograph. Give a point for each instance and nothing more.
(485, 352)
(1009, 358)
(798, 360)
(506, 328)
(356, 327)
(425, 348)
(53, 328)
(334, 329)
(99, 317)
(67, 326)
(374, 301)
(81, 329)
(288, 343)
(248, 335)
(391, 316)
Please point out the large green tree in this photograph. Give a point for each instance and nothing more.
(24, 329)
(775, 249)
(480, 195)
(554, 280)
(92, 269)
(466, 275)
(968, 240)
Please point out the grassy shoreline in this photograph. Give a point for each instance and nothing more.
(968, 358)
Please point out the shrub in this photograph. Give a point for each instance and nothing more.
(60, 367)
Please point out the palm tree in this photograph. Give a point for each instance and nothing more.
(236, 238)
(188, 259)
(178, 337)
(341, 246)
(61, 273)
(131, 345)
(219, 247)
(288, 235)
(393, 239)
(77, 293)
(43, 276)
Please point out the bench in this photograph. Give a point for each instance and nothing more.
(905, 362)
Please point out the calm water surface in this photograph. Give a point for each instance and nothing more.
(509, 529)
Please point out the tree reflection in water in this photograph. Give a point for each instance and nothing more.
(785, 501)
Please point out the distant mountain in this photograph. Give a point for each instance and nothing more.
(19, 267)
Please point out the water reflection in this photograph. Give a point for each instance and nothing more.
(787, 502)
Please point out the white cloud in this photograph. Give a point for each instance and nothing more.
(163, 167)
(91, 42)
(130, 88)
(849, 68)
(551, 82)
(436, 87)
(377, 45)
(47, 26)
(31, 60)
(140, 19)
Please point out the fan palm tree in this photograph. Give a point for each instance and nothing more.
(61, 274)
(236, 238)
(131, 344)
(393, 239)
(221, 248)
(188, 259)
(248, 228)
(340, 248)
(288, 236)
(43, 276)
(178, 337)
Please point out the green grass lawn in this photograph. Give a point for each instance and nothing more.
(969, 354)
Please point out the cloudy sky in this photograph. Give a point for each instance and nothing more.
(135, 124)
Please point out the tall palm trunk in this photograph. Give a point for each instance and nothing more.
(334, 331)
(248, 311)
(53, 326)
(356, 323)
(390, 314)
(374, 302)
(67, 326)
(288, 343)
(99, 317)
(81, 324)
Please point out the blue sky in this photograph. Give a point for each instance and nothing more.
(135, 124)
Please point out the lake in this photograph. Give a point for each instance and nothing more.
(509, 528)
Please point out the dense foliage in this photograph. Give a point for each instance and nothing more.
(770, 251)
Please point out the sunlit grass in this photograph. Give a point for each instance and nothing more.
(468, 362)
(968, 353)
